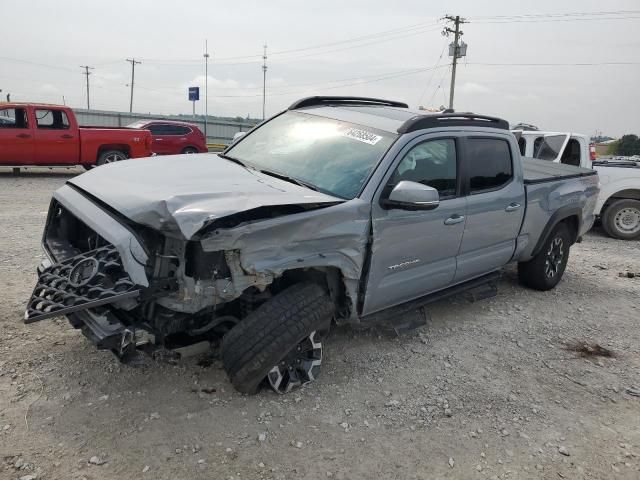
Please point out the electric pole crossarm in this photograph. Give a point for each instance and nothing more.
(454, 50)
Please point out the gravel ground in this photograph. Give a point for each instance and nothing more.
(484, 390)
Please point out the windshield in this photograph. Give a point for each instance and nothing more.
(137, 124)
(333, 156)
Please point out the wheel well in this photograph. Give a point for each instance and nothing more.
(115, 146)
(330, 278)
(630, 193)
(573, 223)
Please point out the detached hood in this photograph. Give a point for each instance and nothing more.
(185, 192)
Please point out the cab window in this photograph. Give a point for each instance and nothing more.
(490, 164)
(13, 118)
(432, 163)
(51, 119)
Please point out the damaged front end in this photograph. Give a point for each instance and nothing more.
(130, 287)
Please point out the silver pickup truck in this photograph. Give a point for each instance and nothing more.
(338, 209)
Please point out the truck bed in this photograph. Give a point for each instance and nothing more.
(541, 171)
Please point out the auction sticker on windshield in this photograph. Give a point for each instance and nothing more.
(362, 136)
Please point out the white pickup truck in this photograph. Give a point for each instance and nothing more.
(618, 204)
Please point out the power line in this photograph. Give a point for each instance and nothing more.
(433, 74)
(561, 14)
(573, 64)
(256, 58)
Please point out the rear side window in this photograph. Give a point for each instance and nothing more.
(168, 129)
(13, 118)
(52, 119)
(490, 164)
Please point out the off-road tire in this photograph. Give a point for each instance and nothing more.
(110, 156)
(266, 335)
(536, 272)
(614, 225)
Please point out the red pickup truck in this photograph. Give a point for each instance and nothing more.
(49, 135)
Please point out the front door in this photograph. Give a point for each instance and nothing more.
(16, 137)
(414, 252)
(56, 143)
(495, 207)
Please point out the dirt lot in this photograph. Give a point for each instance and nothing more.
(485, 390)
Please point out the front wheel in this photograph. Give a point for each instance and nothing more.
(279, 341)
(111, 156)
(190, 150)
(621, 219)
(544, 271)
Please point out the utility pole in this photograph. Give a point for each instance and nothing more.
(456, 50)
(133, 62)
(206, 87)
(264, 80)
(87, 73)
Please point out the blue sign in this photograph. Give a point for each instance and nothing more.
(194, 94)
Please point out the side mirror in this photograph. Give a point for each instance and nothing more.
(238, 136)
(408, 195)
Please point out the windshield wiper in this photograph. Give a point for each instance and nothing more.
(287, 178)
(232, 159)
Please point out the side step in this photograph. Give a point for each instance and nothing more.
(395, 314)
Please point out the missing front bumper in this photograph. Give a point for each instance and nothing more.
(85, 281)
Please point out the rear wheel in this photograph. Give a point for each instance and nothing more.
(190, 150)
(279, 341)
(544, 271)
(111, 156)
(621, 219)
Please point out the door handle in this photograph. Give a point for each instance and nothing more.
(512, 207)
(66, 135)
(23, 135)
(453, 219)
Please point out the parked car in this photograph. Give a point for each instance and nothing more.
(351, 209)
(171, 137)
(48, 135)
(618, 204)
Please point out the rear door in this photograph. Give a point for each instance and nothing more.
(16, 136)
(495, 206)
(176, 136)
(56, 142)
(414, 252)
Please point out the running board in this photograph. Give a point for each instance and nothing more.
(391, 314)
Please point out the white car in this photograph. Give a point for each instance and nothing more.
(618, 204)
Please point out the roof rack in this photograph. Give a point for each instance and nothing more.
(317, 101)
(467, 119)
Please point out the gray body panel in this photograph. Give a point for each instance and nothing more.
(179, 194)
(385, 256)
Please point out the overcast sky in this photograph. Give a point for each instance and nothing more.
(368, 48)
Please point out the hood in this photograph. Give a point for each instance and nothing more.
(185, 192)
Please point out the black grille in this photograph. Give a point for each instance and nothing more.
(87, 280)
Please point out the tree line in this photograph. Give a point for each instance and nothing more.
(626, 146)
